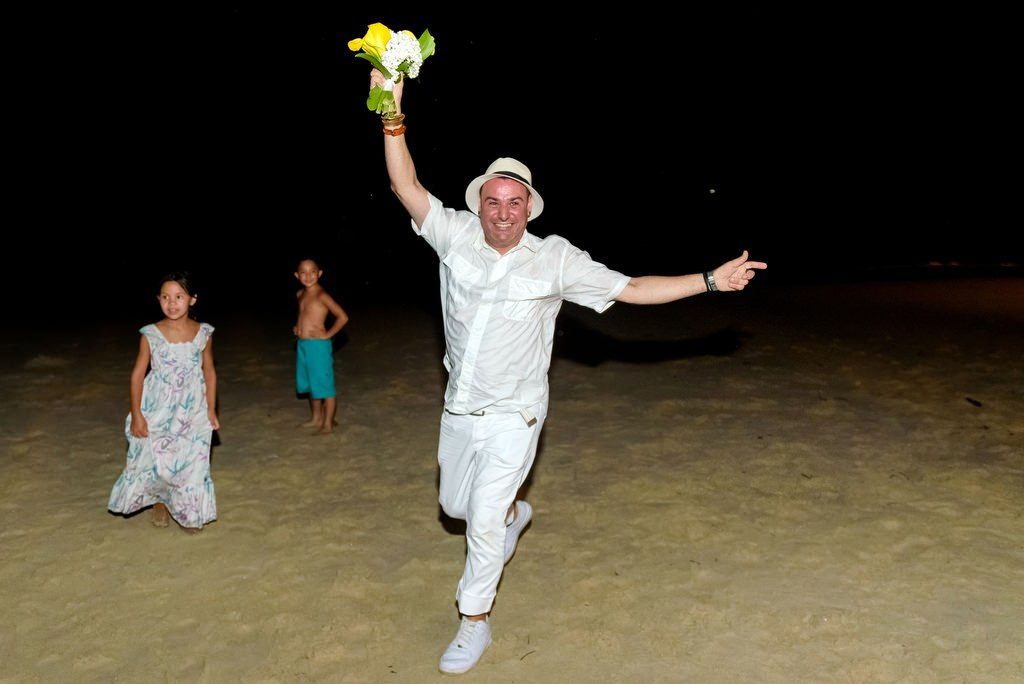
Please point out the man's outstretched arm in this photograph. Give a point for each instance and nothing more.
(732, 276)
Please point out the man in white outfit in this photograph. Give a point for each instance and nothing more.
(501, 289)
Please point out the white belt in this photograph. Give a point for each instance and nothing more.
(526, 413)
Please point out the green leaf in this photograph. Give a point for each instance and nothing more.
(375, 62)
(374, 100)
(380, 101)
(426, 44)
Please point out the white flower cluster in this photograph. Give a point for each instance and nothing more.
(402, 48)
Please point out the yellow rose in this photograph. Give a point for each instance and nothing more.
(374, 42)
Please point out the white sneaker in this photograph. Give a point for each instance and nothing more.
(472, 639)
(524, 513)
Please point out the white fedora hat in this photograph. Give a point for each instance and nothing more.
(505, 167)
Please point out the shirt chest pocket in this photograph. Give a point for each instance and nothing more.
(462, 277)
(526, 296)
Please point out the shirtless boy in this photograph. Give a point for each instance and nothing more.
(314, 363)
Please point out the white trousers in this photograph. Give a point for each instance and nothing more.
(484, 461)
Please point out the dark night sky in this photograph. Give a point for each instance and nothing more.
(839, 143)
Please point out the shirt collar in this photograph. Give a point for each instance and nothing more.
(528, 241)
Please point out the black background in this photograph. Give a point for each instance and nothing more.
(840, 144)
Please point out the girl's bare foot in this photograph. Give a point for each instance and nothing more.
(159, 516)
(311, 423)
(192, 530)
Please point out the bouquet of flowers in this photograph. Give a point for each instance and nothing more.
(395, 54)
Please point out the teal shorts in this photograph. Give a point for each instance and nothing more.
(314, 369)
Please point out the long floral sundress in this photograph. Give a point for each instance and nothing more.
(172, 465)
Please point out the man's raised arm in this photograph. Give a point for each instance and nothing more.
(401, 170)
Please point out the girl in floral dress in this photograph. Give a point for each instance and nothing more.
(173, 416)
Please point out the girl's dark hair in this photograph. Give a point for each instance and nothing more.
(180, 277)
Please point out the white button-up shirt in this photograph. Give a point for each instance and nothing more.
(499, 310)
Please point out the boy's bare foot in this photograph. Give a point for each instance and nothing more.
(326, 430)
(311, 423)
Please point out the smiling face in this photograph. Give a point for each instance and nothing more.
(505, 207)
(309, 273)
(174, 300)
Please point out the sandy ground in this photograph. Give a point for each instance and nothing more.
(796, 484)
